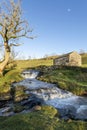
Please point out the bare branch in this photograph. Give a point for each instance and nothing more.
(31, 37)
(11, 44)
(12, 25)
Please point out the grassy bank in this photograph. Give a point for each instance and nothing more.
(13, 74)
(45, 119)
(68, 78)
(73, 79)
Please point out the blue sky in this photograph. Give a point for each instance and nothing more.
(60, 26)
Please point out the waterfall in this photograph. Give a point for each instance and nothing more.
(29, 74)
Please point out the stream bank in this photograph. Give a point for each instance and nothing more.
(31, 92)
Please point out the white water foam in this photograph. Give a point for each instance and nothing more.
(29, 74)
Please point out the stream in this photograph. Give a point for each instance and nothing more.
(68, 104)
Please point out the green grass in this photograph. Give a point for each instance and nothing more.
(73, 79)
(33, 63)
(45, 119)
(8, 78)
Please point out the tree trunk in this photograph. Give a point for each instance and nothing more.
(7, 56)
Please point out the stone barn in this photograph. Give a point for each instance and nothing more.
(69, 59)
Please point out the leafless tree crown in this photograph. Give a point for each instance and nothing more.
(12, 25)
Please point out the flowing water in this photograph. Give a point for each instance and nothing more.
(68, 104)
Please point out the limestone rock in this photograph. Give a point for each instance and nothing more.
(37, 108)
(18, 93)
(5, 96)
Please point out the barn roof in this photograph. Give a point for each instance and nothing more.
(64, 55)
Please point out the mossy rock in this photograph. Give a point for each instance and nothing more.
(18, 93)
(18, 88)
(5, 96)
(20, 96)
(49, 111)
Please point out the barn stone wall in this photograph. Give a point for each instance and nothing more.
(70, 59)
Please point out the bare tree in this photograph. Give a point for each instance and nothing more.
(12, 26)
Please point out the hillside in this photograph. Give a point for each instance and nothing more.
(84, 58)
(68, 78)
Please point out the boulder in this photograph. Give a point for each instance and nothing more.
(5, 96)
(37, 108)
(18, 93)
(49, 111)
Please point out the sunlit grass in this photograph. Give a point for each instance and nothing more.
(13, 75)
(33, 63)
(84, 65)
(73, 79)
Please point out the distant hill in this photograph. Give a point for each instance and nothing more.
(50, 57)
